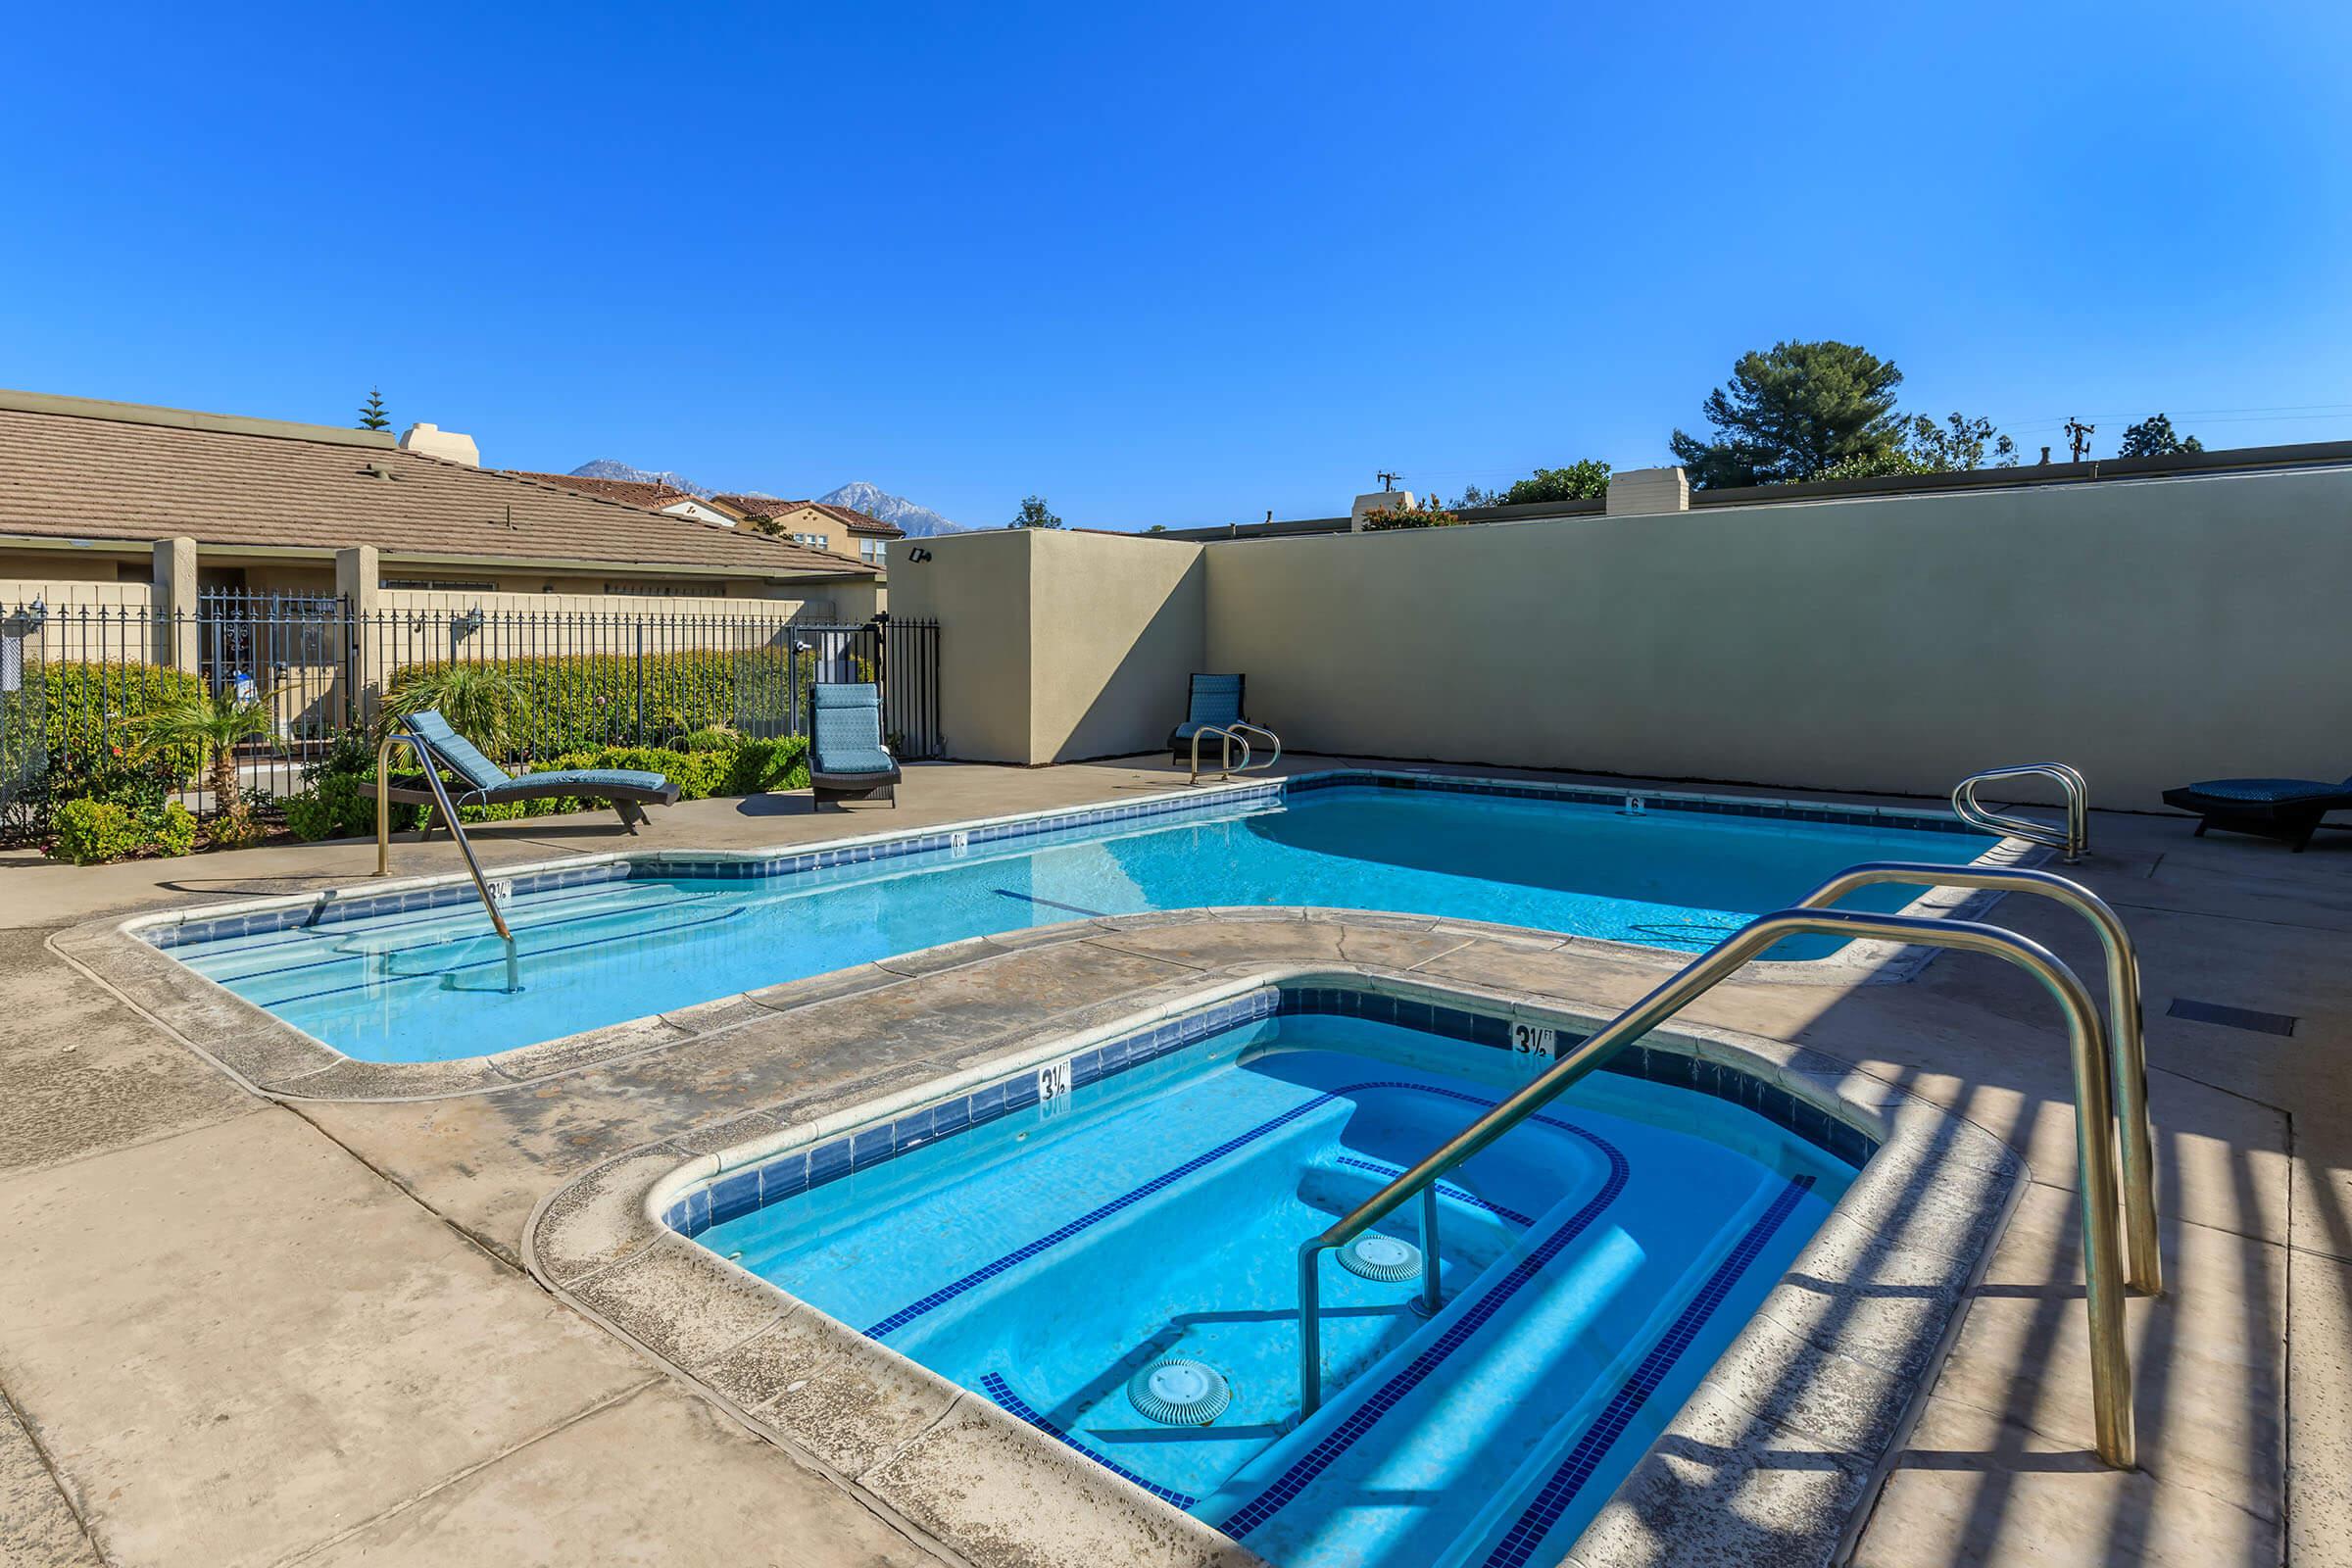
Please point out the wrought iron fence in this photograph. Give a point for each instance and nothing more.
(76, 681)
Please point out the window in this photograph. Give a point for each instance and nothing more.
(439, 585)
(814, 541)
(873, 551)
(664, 590)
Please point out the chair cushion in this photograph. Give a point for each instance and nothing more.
(1215, 700)
(2268, 791)
(845, 730)
(586, 780)
(457, 754)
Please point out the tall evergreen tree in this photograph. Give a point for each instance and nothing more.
(1035, 513)
(1792, 411)
(2154, 437)
(371, 412)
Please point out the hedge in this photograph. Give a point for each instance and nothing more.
(91, 708)
(90, 832)
(582, 701)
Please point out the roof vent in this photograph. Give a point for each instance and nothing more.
(379, 471)
(448, 445)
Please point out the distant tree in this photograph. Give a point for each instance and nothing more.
(1792, 411)
(1956, 446)
(1158, 527)
(1429, 514)
(371, 412)
(2153, 437)
(1587, 479)
(1473, 496)
(1034, 514)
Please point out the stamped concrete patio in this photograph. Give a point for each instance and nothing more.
(236, 1330)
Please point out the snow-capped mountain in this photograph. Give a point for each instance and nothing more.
(920, 523)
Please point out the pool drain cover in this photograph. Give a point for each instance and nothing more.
(1380, 1257)
(1178, 1392)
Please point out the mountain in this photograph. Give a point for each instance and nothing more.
(920, 523)
(607, 469)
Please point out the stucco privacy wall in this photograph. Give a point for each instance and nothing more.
(2148, 632)
(1056, 645)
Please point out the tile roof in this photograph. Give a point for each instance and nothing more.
(647, 493)
(770, 507)
(72, 467)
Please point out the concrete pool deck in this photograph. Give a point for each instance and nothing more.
(235, 1330)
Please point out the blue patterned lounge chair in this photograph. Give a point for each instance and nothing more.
(846, 760)
(482, 782)
(2284, 809)
(1215, 700)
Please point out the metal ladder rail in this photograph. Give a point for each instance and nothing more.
(2094, 1135)
(2127, 1056)
(1230, 736)
(457, 830)
(2072, 842)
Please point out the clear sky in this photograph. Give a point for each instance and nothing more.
(1175, 264)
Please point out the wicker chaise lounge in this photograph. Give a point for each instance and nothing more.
(1215, 701)
(2284, 809)
(485, 783)
(846, 760)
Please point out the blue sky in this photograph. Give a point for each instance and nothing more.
(1176, 265)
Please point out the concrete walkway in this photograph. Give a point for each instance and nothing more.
(234, 1332)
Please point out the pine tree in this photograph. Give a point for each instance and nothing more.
(371, 412)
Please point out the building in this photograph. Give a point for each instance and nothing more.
(646, 493)
(101, 493)
(818, 524)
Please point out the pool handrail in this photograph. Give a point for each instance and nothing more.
(1230, 736)
(2094, 1135)
(404, 736)
(2127, 1056)
(2070, 842)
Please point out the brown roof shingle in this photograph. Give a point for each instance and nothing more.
(646, 493)
(72, 467)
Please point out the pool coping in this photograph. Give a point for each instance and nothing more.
(272, 1055)
(1831, 1367)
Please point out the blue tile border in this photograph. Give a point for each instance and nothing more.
(801, 1170)
(996, 1389)
(1558, 1494)
(370, 906)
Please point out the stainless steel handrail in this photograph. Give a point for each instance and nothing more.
(2073, 841)
(2127, 1058)
(1230, 736)
(457, 830)
(2094, 1134)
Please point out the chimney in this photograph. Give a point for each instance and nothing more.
(431, 441)
(1642, 491)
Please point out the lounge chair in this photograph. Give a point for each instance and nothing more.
(846, 760)
(485, 783)
(1215, 700)
(2284, 809)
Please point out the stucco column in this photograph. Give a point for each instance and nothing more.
(175, 604)
(357, 580)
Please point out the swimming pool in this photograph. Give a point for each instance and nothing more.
(1103, 1247)
(419, 976)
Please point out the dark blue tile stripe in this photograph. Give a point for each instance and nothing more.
(1461, 1195)
(1400, 1383)
(1519, 1543)
(998, 1390)
(1094, 1216)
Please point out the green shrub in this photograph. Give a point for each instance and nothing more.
(756, 767)
(90, 709)
(584, 702)
(91, 832)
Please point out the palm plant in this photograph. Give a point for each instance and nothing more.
(481, 702)
(214, 726)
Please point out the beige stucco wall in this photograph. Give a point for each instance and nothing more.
(2151, 633)
(1056, 646)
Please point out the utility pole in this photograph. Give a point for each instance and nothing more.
(2077, 435)
(1388, 480)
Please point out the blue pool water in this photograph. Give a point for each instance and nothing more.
(428, 985)
(1595, 1262)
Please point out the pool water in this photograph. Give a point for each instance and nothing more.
(1595, 1262)
(428, 985)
